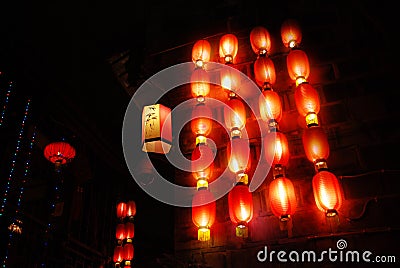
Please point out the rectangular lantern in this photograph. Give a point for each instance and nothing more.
(156, 129)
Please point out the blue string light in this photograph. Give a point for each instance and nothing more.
(3, 112)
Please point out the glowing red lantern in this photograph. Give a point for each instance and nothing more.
(260, 40)
(121, 210)
(200, 84)
(240, 202)
(59, 152)
(235, 116)
(264, 72)
(316, 146)
(128, 251)
(228, 47)
(201, 123)
(156, 129)
(291, 33)
(129, 230)
(270, 107)
(202, 164)
(118, 256)
(201, 52)
(282, 198)
(238, 154)
(130, 208)
(327, 192)
(276, 149)
(307, 103)
(298, 66)
(230, 78)
(203, 212)
(120, 232)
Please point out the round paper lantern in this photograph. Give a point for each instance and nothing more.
(201, 124)
(260, 40)
(200, 84)
(118, 256)
(307, 103)
(128, 251)
(235, 115)
(59, 152)
(327, 192)
(228, 47)
(315, 142)
(230, 78)
(120, 232)
(270, 107)
(276, 149)
(121, 210)
(238, 154)
(203, 213)
(201, 52)
(202, 164)
(129, 230)
(282, 198)
(291, 33)
(298, 66)
(264, 72)
(240, 202)
(130, 208)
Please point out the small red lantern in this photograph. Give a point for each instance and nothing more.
(282, 198)
(276, 149)
(130, 208)
(230, 79)
(240, 202)
(200, 84)
(128, 251)
(264, 72)
(203, 213)
(121, 210)
(129, 228)
(316, 146)
(238, 154)
(120, 232)
(201, 52)
(118, 256)
(201, 123)
(328, 194)
(59, 152)
(228, 47)
(260, 40)
(270, 107)
(235, 116)
(202, 164)
(307, 103)
(298, 66)
(291, 33)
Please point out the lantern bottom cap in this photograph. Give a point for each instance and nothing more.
(203, 234)
(331, 212)
(285, 217)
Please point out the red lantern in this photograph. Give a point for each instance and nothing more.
(128, 251)
(202, 164)
(307, 103)
(291, 33)
(276, 149)
(59, 152)
(200, 84)
(156, 129)
(203, 213)
(298, 66)
(118, 256)
(270, 106)
(130, 208)
(282, 198)
(240, 202)
(235, 115)
(121, 210)
(260, 40)
(120, 232)
(230, 78)
(264, 72)
(327, 192)
(201, 123)
(129, 230)
(316, 146)
(238, 154)
(228, 47)
(201, 52)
